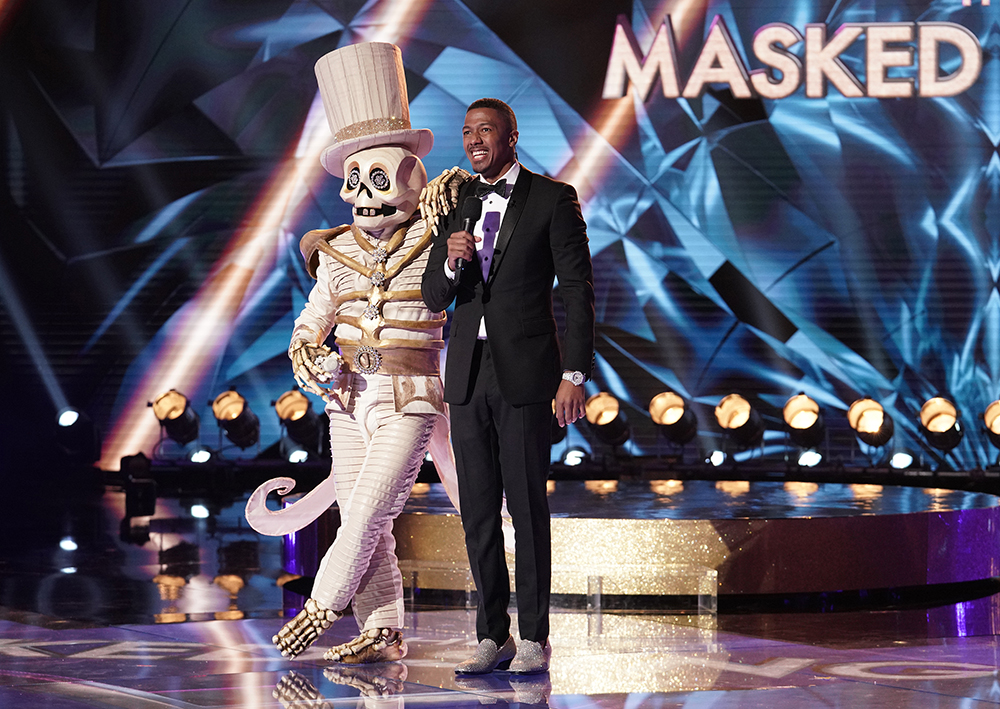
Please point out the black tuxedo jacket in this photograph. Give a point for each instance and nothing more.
(542, 237)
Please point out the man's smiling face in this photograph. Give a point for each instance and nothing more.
(489, 142)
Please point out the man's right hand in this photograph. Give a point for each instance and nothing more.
(461, 245)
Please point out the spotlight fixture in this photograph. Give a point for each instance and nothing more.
(900, 461)
(810, 458)
(716, 458)
(991, 417)
(940, 424)
(67, 417)
(740, 420)
(673, 416)
(605, 417)
(296, 414)
(234, 416)
(76, 436)
(803, 420)
(870, 422)
(178, 420)
(573, 457)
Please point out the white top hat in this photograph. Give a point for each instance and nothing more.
(364, 94)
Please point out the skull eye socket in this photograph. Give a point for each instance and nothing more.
(380, 180)
(353, 179)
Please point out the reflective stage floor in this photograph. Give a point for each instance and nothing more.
(89, 617)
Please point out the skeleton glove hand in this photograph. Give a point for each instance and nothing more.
(314, 367)
(303, 630)
(440, 196)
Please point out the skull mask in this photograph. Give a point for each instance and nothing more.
(383, 185)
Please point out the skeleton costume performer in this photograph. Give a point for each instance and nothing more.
(383, 390)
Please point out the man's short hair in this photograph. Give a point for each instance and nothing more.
(500, 107)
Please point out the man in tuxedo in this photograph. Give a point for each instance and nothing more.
(505, 365)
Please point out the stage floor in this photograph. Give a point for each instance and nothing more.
(108, 625)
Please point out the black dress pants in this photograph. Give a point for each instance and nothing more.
(500, 448)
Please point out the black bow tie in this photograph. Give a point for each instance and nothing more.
(484, 188)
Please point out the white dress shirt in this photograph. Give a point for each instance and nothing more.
(492, 202)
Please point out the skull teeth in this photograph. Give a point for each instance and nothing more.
(386, 210)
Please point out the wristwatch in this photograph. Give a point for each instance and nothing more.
(576, 377)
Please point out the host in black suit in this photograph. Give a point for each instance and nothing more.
(504, 367)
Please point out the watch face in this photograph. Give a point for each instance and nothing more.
(575, 377)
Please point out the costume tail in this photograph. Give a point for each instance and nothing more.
(295, 516)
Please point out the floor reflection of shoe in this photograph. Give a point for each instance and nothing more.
(383, 680)
(491, 688)
(488, 657)
(482, 683)
(295, 691)
(532, 658)
(532, 689)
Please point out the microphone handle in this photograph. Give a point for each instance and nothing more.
(467, 225)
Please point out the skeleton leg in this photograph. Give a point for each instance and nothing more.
(371, 495)
(349, 454)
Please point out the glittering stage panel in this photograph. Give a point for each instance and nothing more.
(761, 537)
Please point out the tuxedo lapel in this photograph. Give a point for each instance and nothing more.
(518, 198)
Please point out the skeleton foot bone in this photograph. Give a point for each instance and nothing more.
(375, 645)
(303, 630)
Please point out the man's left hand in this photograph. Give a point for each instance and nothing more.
(569, 403)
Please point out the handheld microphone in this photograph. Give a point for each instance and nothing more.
(472, 209)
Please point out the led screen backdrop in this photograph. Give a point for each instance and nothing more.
(828, 225)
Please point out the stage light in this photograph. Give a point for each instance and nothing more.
(672, 415)
(296, 414)
(810, 458)
(991, 417)
(740, 420)
(202, 455)
(298, 456)
(870, 422)
(178, 420)
(605, 417)
(901, 461)
(67, 417)
(68, 544)
(199, 511)
(803, 420)
(233, 413)
(717, 458)
(574, 457)
(939, 420)
(76, 436)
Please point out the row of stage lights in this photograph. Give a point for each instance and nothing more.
(939, 421)
(180, 423)
(735, 415)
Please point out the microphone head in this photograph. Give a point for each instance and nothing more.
(472, 209)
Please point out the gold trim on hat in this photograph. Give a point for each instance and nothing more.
(372, 126)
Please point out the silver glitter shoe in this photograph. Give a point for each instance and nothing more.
(532, 658)
(488, 657)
